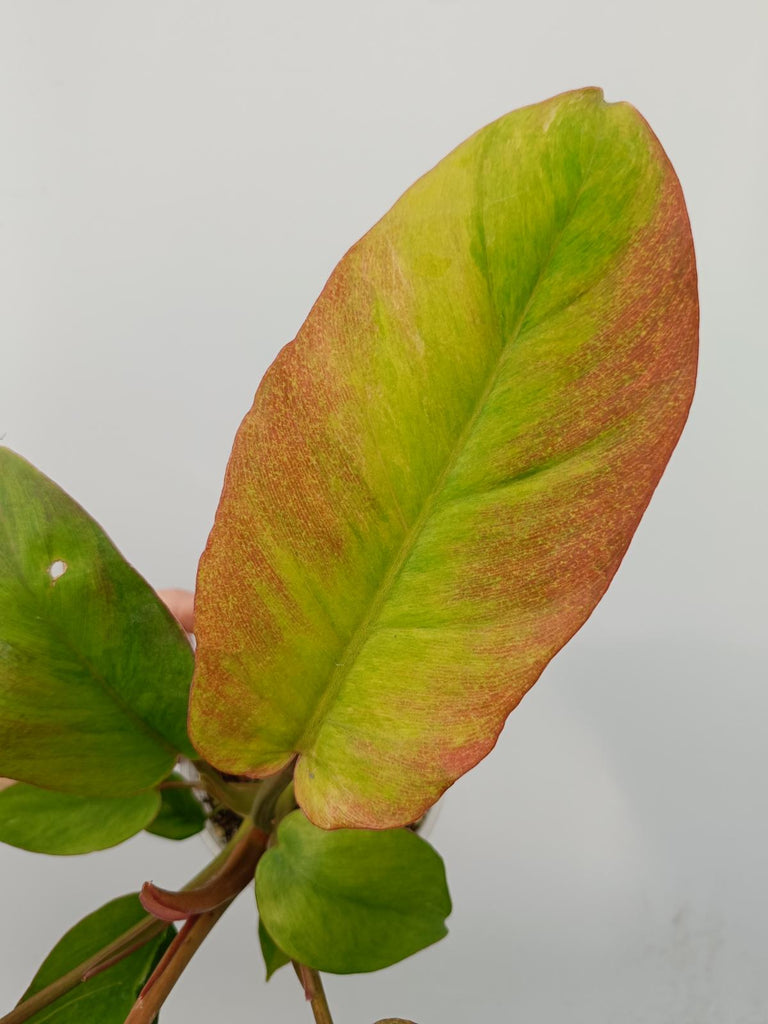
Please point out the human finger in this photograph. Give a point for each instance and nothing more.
(181, 604)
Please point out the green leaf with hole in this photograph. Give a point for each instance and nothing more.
(45, 821)
(94, 670)
(180, 814)
(274, 957)
(351, 900)
(108, 997)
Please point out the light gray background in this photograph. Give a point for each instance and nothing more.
(177, 180)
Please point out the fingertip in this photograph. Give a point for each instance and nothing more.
(181, 604)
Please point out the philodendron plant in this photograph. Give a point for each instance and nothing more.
(435, 484)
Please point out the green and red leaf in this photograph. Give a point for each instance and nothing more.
(441, 474)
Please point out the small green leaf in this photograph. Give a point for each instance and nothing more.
(351, 900)
(180, 814)
(274, 957)
(47, 822)
(94, 669)
(108, 997)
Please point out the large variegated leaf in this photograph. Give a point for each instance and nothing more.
(440, 475)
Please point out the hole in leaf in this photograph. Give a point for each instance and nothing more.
(57, 569)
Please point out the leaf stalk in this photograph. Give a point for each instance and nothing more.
(139, 934)
(231, 878)
(314, 991)
(172, 965)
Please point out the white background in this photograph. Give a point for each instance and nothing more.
(177, 180)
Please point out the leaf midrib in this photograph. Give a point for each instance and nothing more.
(365, 628)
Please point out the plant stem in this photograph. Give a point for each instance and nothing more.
(221, 887)
(268, 796)
(314, 991)
(247, 846)
(255, 799)
(142, 932)
(221, 857)
(237, 796)
(319, 1003)
(145, 929)
(284, 804)
(172, 965)
(104, 965)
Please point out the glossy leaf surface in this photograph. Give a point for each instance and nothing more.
(351, 900)
(180, 814)
(108, 997)
(440, 475)
(94, 670)
(44, 821)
